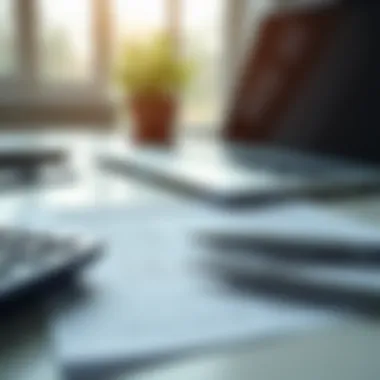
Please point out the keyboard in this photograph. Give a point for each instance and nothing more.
(31, 261)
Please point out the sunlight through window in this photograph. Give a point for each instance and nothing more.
(66, 40)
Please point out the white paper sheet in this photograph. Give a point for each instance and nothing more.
(148, 298)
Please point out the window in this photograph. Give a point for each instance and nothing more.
(139, 18)
(202, 39)
(65, 45)
(136, 19)
(7, 38)
(71, 43)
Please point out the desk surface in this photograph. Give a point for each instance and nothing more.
(348, 353)
(25, 349)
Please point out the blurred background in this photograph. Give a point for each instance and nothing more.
(51, 51)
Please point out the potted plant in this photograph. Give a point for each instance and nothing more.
(152, 74)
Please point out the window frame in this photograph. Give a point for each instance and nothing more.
(25, 84)
(9, 81)
(24, 87)
(26, 24)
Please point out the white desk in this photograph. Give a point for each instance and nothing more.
(25, 349)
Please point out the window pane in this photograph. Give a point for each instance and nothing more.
(139, 18)
(66, 36)
(136, 20)
(7, 37)
(203, 40)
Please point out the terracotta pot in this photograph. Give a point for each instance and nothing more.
(153, 117)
